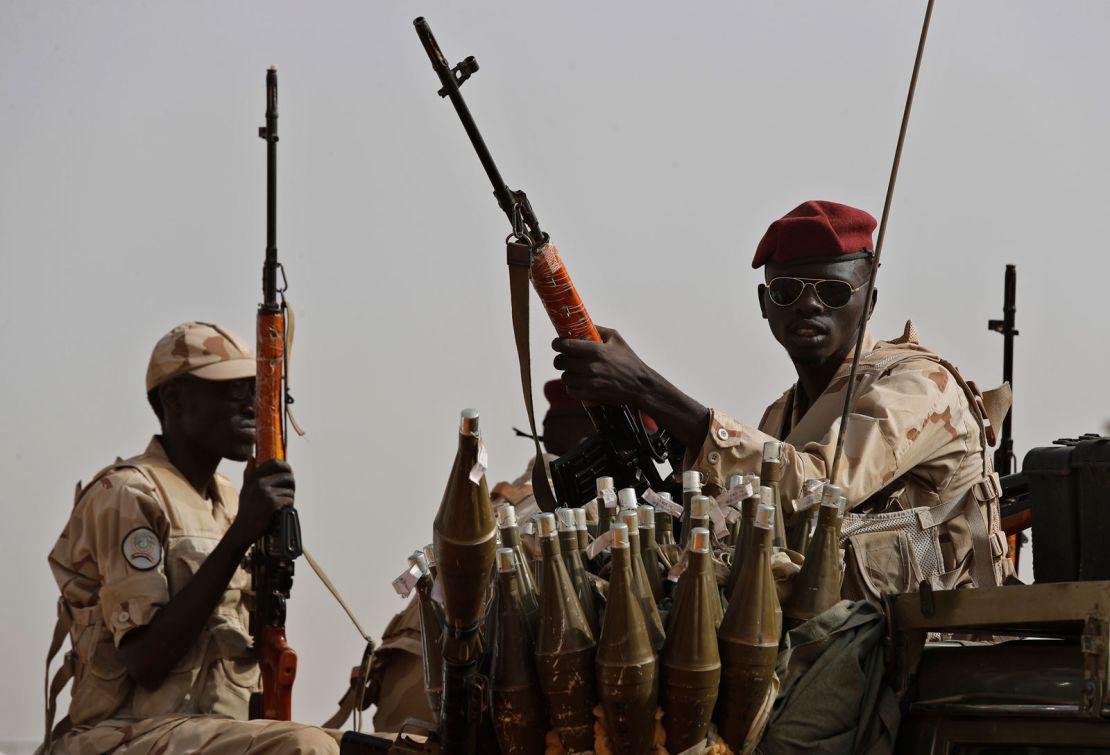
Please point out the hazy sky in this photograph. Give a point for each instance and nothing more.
(656, 141)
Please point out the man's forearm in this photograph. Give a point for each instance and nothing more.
(685, 418)
(151, 652)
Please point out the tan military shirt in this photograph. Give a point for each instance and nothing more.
(913, 440)
(137, 534)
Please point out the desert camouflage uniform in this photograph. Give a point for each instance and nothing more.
(917, 440)
(138, 533)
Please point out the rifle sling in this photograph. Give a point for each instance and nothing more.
(519, 258)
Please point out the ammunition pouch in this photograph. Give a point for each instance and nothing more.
(894, 552)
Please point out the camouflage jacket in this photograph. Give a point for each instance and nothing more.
(137, 533)
(917, 441)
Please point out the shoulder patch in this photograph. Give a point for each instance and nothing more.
(142, 548)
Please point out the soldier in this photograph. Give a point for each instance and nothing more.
(149, 567)
(918, 433)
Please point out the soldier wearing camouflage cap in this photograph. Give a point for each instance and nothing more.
(153, 594)
(918, 434)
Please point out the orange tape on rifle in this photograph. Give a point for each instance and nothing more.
(563, 304)
(269, 399)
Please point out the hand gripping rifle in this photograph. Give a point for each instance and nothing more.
(622, 448)
(271, 558)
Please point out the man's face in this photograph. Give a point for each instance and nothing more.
(811, 331)
(216, 415)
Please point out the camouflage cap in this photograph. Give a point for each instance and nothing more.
(208, 351)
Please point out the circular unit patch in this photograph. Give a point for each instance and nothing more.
(142, 548)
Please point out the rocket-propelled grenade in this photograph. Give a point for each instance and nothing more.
(664, 534)
(770, 473)
(464, 538)
(431, 633)
(572, 559)
(817, 585)
(651, 611)
(626, 663)
(509, 529)
(691, 486)
(565, 647)
(691, 663)
(743, 536)
(749, 637)
(649, 551)
(519, 713)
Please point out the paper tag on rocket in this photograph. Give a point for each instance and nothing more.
(811, 495)
(599, 544)
(662, 503)
(481, 465)
(528, 527)
(609, 496)
(406, 581)
(677, 569)
(591, 510)
(732, 498)
(717, 517)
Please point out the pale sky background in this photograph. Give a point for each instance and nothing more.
(656, 141)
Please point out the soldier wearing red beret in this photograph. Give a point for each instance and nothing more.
(917, 437)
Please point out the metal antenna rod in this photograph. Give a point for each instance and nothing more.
(851, 388)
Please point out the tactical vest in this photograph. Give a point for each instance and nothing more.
(893, 550)
(216, 675)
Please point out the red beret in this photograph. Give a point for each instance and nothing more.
(816, 230)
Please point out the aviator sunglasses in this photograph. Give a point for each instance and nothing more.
(834, 294)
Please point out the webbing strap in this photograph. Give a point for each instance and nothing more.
(354, 699)
(335, 593)
(519, 258)
(52, 688)
(969, 505)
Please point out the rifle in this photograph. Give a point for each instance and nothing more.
(271, 558)
(1015, 504)
(1004, 456)
(622, 448)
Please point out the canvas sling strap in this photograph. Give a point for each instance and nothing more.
(988, 409)
(519, 258)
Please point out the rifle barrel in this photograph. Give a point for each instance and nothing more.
(270, 134)
(450, 90)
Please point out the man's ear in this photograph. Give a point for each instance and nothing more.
(874, 301)
(761, 293)
(170, 394)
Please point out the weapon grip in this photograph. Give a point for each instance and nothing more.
(278, 663)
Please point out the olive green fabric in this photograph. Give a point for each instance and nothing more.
(833, 696)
